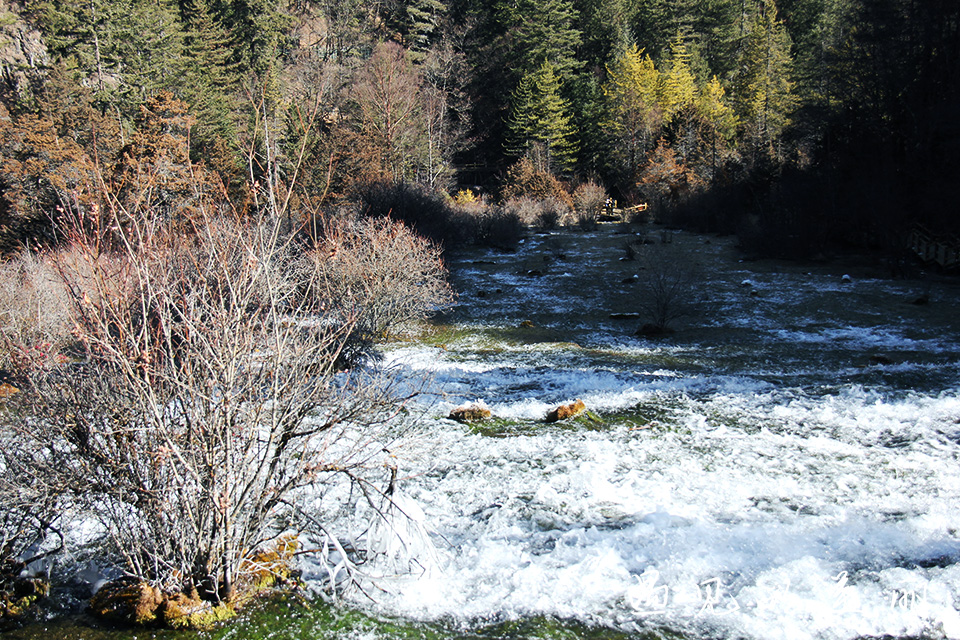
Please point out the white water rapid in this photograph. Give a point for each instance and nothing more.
(787, 465)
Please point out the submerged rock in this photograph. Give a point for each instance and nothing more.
(565, 411)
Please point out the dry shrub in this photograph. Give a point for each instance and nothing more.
(34, 318)
(491, 226)
(29, 528)
(525, 180)
(553, 213)
(544, 214)
(526, 210)
(499, 227)
(426, 212)
(380, 272)
(212, 391)
(588, 201)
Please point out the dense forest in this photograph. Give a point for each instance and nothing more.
(801, 125)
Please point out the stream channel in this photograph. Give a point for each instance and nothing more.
(785, 466)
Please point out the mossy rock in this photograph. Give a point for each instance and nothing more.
(268, 568)
(180, 611)
(129, 602)
(139, 603)
(23, 594)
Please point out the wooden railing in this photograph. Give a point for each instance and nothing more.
(941, 250)
(610, 211)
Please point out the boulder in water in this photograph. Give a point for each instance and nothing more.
(565, 411)
(473, 412)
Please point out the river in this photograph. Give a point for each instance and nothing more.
(785, 465)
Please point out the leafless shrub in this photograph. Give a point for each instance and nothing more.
(499, 227)
(29, 517)
(525, 209)
(34, 321)
(212, 391)
(553, 213)
(548, 213)
(379, 272)
(588, 201)
(667, 287)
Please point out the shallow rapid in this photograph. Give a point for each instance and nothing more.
(784, 466)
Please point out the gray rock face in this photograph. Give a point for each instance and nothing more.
(23, 54)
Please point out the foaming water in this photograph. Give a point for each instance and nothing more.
(788, 468)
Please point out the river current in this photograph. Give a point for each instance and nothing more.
(784, 466)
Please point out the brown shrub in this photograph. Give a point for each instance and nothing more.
(588, 201)
(525, 180)
(34, 313)
(380, 272)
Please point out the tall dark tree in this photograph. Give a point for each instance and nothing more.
(539, 125)
(211, 78)
(125, 50)
(538, 31)
(764, 88)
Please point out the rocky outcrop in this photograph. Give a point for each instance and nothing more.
(22, 51)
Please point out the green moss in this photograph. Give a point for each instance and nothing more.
(204, 619)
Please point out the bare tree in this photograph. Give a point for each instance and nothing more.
(667, 287)
(387, 97)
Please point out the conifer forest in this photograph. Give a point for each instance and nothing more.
(815, 123)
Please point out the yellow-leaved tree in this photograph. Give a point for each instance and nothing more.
(634, 114)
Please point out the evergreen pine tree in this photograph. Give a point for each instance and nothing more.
(422, 19)
(764, 96)
(539, 124)
(210, 76)
(539, 30)
(126, 51)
